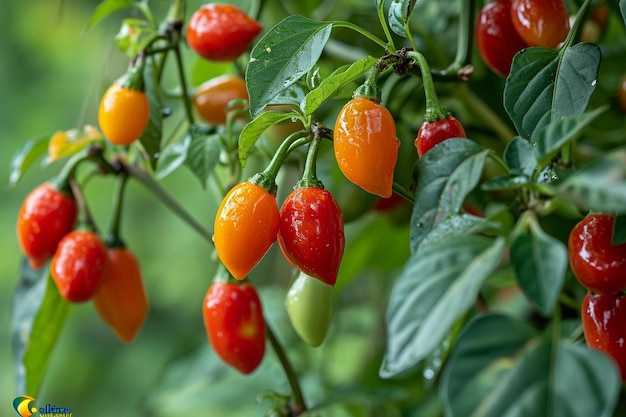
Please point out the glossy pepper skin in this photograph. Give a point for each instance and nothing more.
(311, 234)
(540, 22)
(121, 299)
(604, 318)
(598, 265)
(212, 97)
(366, 146)
(79, 265)
(221, 32)
(309, 305)
(496, 37)
(246, 225)
(433, 133)
(46, 215)
(123, 114)
(234, 324)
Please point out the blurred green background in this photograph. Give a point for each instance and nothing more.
(53, 73)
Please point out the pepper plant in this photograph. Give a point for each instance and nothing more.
(479, 313)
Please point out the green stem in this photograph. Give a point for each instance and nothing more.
(149, 182)
(383, 24)
(114, 230)
(409, 35)
(369, 89)
(298, 399)
(576, 26)
(461, 67)
(494, 157)
(176, 13)
(434, 109)
(267, 178)
(183, 81)
(85, 218)
(403, 192)
(484, 112)
(368, 35)
(309, 177)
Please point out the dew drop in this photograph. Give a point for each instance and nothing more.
(429, 374)
(594, 82)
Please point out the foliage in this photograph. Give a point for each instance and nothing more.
(469, 278)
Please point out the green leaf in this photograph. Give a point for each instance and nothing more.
(173, 157)
(134, 36)
(510, 182)
(619, 230)
(203, 154)
(519, 156)
(37, 318)
(330, 85)
(540, 262)
(546, 84)
(106, 8)
(439, 283)
(484, 351)
(553, 136)
(587, 382)
(26, 156)
(622, 8)
(447, 173)
(457, 225)
(282, 56)
(399, 14)
(255, 128)
(150, 139)
(599, 186)
(495, 373)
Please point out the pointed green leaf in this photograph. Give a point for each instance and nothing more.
(555, 135)
(37, 318)
(540, 262)
(330, 85)
(282, 56)
(484, 351)
(173, 157)
(26, 156)
(510, 182)
(497, 370)
(457, 225)
(255, 128)
(399, 14)
(439, 283)
(587, 383)
(546, 84)
(203, 154)
(519, 156)
(622, 8)
(599, 186)
(447, 173)
(150, 140)
(106, 8)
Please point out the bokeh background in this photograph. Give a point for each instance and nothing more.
(52, 74)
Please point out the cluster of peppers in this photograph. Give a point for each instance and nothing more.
(53, 224)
